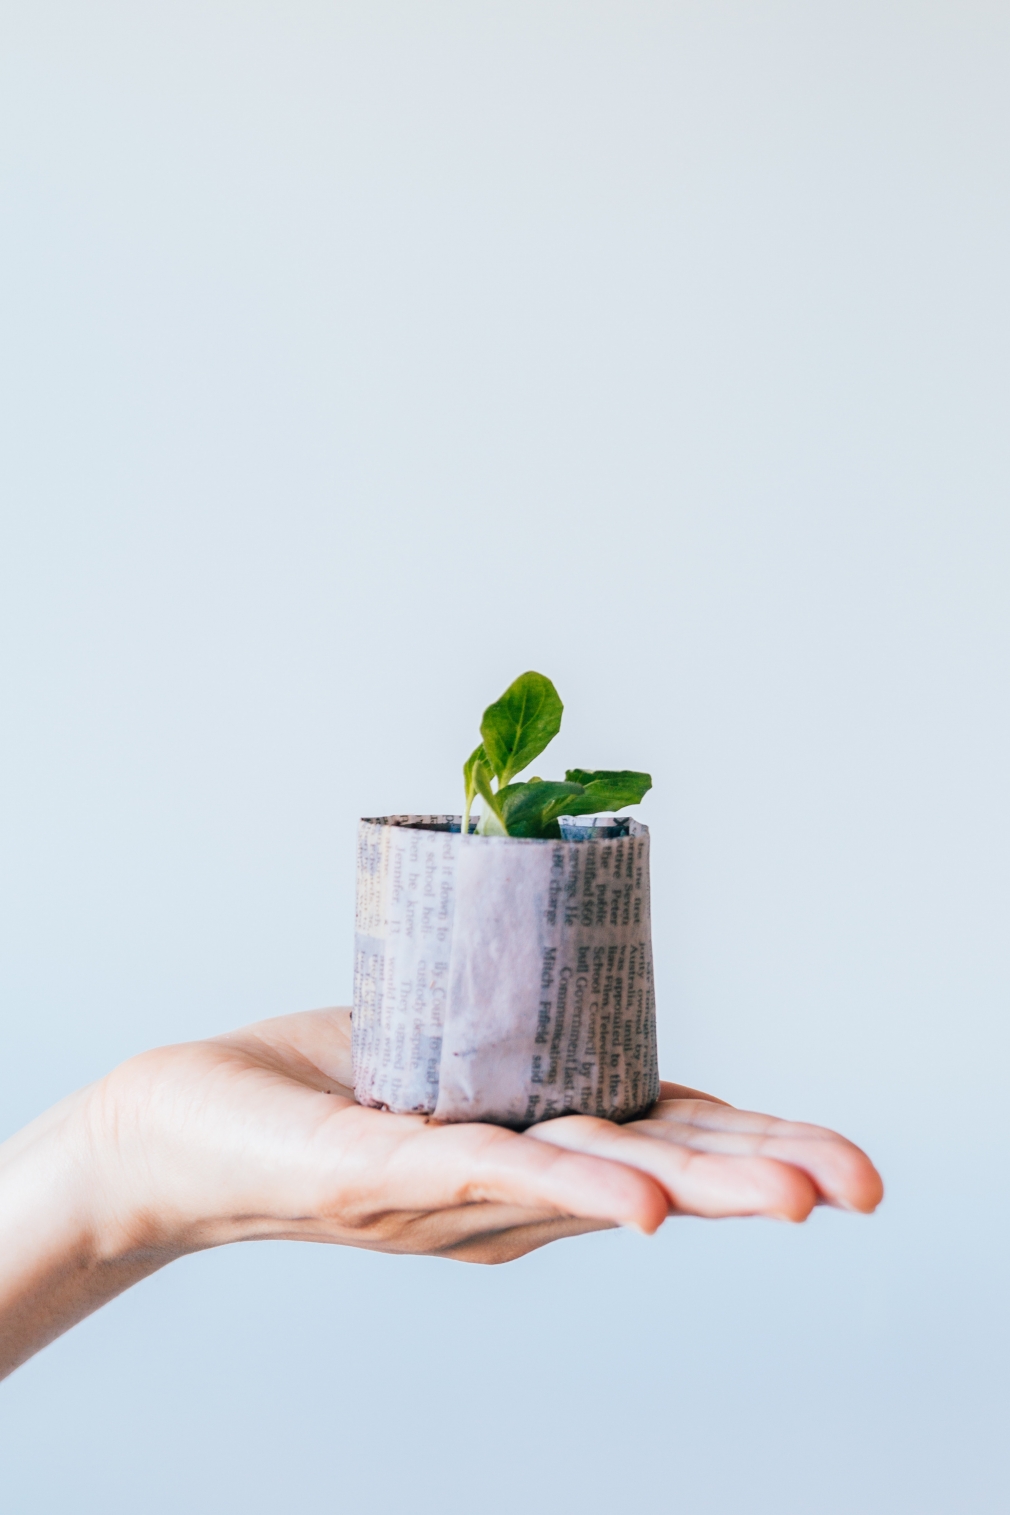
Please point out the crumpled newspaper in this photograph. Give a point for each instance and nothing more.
(503, 979)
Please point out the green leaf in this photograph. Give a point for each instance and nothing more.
(603, 790)
(532, 809)
(478, 755)
(491, 822)
(517, 727)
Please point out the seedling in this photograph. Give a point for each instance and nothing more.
(515, 730)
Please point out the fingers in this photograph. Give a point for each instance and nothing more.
(413, 1165)
(682, 1091)
(842, 1174)
(695, 1182)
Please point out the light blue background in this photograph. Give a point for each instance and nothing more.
(354, 358)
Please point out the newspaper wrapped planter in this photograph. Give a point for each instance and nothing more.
(501, 978)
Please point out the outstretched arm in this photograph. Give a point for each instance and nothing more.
(257, 1134)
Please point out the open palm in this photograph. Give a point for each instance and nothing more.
(257, 1134)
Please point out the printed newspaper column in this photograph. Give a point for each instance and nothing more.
(403, 933)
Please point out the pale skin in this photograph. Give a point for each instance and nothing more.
(256, 1134)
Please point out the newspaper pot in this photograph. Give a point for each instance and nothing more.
(502, 978)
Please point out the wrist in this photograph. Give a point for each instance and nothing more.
(112, 1148)
(64, 1248)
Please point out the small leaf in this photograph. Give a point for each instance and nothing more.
(531, 809)
(478, 755)
(605, 790)
(517, 727)
(491, 823)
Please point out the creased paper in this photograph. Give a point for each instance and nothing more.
(503, 979)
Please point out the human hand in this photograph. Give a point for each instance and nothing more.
(257, 1134)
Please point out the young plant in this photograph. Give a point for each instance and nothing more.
(515, 730)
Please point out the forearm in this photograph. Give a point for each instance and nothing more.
(59, 1259)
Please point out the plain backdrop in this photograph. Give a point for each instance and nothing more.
(356, 357)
